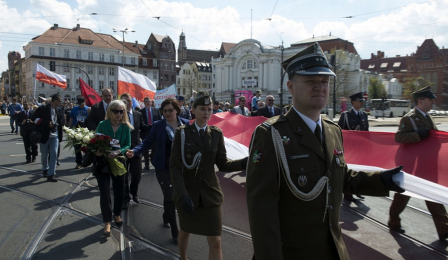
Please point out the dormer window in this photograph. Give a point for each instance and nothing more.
(85, 41)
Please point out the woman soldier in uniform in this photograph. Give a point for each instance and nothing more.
(197, 193)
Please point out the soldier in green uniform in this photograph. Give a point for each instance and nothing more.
(197, 193)
(297, 173)
(414, 127)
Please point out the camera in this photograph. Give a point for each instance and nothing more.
(54, 128)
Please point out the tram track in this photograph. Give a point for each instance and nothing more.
(127, 247)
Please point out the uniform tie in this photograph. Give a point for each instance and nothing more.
(317, 133)
(201, 133)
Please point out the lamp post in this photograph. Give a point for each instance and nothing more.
(123, 31)
(282, 75)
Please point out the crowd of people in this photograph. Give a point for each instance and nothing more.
(295, 172)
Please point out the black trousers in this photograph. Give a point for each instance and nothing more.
(30, 148)
(169, 208)
(134, 175)
(77, 154)
(105, 197)
(146, 156)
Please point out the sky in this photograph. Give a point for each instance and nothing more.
(395, 27)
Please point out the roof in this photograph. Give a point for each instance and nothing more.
(327, 43)
(201, 55)
(159, 38)
(74, 36)
(226, 46)
(141, 50)
(385, 64)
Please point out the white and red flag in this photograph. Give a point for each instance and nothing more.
(425, 172)
(46, 76)
(135, 84)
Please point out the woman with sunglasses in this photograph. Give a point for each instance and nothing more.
(161, 136)
(117, 126)
(197, 193)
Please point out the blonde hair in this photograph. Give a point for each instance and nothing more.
(114, 105)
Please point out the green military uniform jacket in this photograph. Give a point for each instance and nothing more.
(406, 132)
(203, 182)
(282, 225)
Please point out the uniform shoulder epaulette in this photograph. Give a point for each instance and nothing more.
(184, 126)
(212, 127)
(328, 120)
(272, 120)
(410, 113)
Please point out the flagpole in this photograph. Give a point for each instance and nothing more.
(34, 96)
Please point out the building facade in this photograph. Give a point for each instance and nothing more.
(164, 52)
(195, 76)
(76, 53)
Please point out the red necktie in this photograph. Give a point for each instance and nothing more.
(149, 117)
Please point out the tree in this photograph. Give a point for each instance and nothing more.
(376, 89)
(412, 84)
(190, 80)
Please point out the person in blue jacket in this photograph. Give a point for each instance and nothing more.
(14, 109)
(160, 139)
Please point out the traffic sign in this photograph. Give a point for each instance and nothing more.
(365, 96)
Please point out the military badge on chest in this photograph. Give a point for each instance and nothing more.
(286, 140)
(258, 156)
(302, 180)
(337, 155)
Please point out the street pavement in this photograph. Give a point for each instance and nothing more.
(42, 220)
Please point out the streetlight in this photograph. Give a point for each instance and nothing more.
(282, 75)
(123, 31)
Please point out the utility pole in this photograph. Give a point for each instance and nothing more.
(123, 31)
(282, 75)
(333, 62)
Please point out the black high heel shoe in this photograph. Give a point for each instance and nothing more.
(106, 233)
(118, 223)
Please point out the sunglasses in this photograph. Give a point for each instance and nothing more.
(116, 111)
(243, 100)
(270, 100)
(168, 110)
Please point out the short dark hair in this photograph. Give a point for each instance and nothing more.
(147, 98)
(55, 97)
(126, 95)
(111, 90)
(216, 103)
(241, 97)
(171, 101)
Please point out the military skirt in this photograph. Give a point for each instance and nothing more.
(204, 221)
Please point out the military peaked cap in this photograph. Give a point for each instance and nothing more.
(357, 96)
(424, 92)
(180, 98)
(311, 61)
(202, 99)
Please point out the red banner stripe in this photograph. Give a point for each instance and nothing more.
(42, 77)
(135, 90)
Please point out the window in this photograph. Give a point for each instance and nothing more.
(172, 67)
(77, 83)
(101, 84)
(91, 83)
(90, 55)
(68, 84)
(101, 56)
(165, 77)
(123, 60)
(145, 62)
(213, 85)
(154, 63)
(149, 46)
(133, 60)
(111, 84)
(41, 51)
(255, 65)
(41, 63)
(90, 69)
(154, 75)
(166, 66)
(101, 70)
(78, 66)
(78, 55)
(173, 78)
(183, 91)
(244, 66)
(178, 91)
(111, 58)
(249, 64)
(214, 76)
(52, 52)
(145, 73)
(42, 85)
(66, 53)
(111, 71)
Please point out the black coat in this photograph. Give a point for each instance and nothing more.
(353, 122)
(97, 114)
(139, 125)
(42, 118)
(25, 129)
(264, 111)
(156, 116)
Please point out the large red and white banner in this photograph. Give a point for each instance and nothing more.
(425, 165)
(135, 84)
(46, 76)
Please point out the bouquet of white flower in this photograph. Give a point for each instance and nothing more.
(78, 136)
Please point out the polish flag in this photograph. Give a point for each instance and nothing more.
(425, 165)
(46, 76)
(135, 84)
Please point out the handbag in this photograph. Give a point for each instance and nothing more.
(35, 136)
(87, 159)
(100, 166)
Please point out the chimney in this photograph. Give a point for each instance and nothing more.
(78, 27)
(136, 43)
(372, 56)
(55, 26)
(397, 56)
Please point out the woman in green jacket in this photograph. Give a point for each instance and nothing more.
(117, 126)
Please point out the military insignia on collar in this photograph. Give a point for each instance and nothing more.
(258, 156)
(302, 180)
(286, 140)
(417, 119)
(403, 126)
